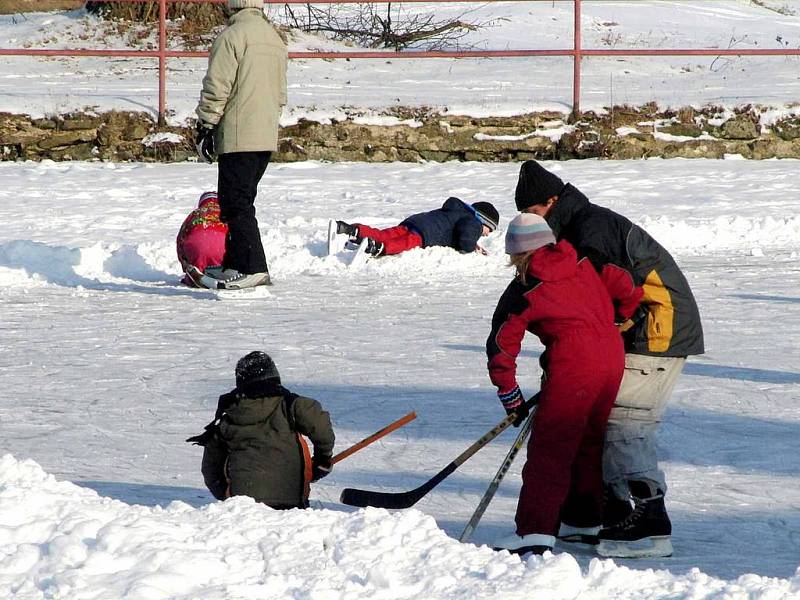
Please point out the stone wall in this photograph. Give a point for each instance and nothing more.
(418, 135)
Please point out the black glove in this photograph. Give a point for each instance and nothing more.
(522, 412)
(204, 142)
(320, 467)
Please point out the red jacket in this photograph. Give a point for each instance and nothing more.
(201, 239)
(566, 304)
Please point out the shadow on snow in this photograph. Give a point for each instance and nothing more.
(692, 367)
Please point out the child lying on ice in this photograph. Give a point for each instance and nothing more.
(456, 225)
(254, 446)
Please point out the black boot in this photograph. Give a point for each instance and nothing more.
(645, 531)
(580, 519)
(374, 248)
(615, 509)
(347, 229)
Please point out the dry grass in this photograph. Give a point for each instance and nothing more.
(8, 7)
(203, 15)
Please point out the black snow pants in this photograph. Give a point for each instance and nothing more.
(239, 174)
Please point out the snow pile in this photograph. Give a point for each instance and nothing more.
(298, 247)
(725, 233)
(58, 540)
(126, 231)
(30, 263)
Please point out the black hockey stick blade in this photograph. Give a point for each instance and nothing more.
(362, 498)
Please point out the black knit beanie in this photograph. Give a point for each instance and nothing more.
(487, 214)
(256, 366)
(536, 184)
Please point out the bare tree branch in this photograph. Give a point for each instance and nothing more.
(394, 28)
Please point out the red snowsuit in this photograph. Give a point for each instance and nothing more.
(394, 239)
(201, 239)
(567, 306)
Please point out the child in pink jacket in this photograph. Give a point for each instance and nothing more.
(201, 239)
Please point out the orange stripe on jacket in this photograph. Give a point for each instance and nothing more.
(661, 313)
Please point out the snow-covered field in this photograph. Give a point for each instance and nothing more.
(107, 365)
(322, 89)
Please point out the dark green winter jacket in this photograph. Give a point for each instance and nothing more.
(252, 448)
(669, 323)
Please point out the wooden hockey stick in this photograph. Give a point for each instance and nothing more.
(374, 437)
(356, 497)
(524, 430)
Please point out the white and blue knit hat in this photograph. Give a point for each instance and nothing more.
(527, 232)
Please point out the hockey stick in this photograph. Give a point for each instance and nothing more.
(374, 437)
(356, 497)
(495, 483)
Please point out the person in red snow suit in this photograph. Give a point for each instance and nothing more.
(201, 238)
(665, 329)
(563, 301)
(456, 224)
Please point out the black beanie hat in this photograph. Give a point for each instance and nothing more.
(256, 366)
(487, 214)
(536, 184)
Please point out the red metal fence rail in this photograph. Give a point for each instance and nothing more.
(577, 52)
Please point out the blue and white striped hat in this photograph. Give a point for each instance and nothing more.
(527, 232)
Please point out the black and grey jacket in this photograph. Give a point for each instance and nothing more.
(252, 446)
(669, 321)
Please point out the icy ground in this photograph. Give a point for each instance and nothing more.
(107, 365)
(322, 89)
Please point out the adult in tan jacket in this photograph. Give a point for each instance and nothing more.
(240, 105)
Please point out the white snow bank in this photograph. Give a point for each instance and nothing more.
(58, 540)
(296, 246)
(95, 225)
(28, 262)
(724, 232)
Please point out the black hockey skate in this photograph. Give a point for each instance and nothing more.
(645, 532)
(374, 248)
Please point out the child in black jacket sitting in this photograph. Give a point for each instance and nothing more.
(456, 225)
(255, 445)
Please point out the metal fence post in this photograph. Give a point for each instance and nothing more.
(162, 61)
(576, 62)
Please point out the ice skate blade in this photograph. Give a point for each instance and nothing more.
(579, 539)
(360, 257)
(336, 241)
(525, 551)
(250, 293)
(656, 546)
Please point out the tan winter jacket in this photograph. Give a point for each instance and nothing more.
(245, 86)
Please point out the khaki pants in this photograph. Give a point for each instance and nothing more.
(630, 448)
